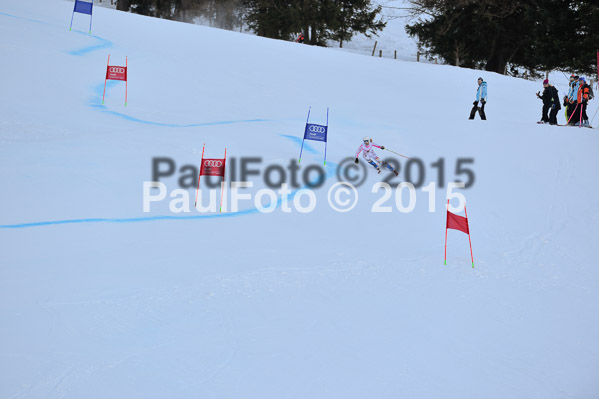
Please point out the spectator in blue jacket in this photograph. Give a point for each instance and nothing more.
(481, 96)
(570, 99)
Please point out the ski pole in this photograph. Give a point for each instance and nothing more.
(573, 112)
(594, 116)
(396, 153)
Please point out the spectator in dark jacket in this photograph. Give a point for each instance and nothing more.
(583, 97)
(551, 103)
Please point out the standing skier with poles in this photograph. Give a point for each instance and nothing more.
(550, 99)
(481, 95)
(569, 96)
(370, 156)
(571, 100)
(583, 100)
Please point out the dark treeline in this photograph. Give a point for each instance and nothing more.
(496, 35)
(226, 14)
(537, 35)
(319, 20)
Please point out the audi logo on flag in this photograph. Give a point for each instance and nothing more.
(214, 163)
(117, 69)
(317, 129)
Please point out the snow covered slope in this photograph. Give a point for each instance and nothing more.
(101, 300)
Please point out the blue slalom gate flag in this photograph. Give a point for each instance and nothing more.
(317, 133)
(83, 7)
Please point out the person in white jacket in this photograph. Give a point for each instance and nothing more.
(367, 150)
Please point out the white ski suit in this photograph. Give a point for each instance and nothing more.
(368, 153)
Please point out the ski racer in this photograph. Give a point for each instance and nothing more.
(367, 149)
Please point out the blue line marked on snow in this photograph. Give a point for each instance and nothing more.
(96, 104)
(100, 46)
(298, 141)
(104, 44)
(125, 220)
(137, 120)
(330, 168)
(24, 19)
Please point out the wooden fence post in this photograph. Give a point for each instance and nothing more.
(374, 49)
(380, 53)
(395, 56)
(418, 56)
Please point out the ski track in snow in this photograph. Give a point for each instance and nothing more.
(22, 18)
(104, 44)
(298, 140)
(330, 172)
(97, 105)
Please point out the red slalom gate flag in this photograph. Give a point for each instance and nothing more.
(116, 72)
(212, 167)
(457, 222)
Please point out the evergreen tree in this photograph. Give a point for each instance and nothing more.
(319, 20)
(122, 5)
(226, 14)
(153, 8)
(568, 38)
(471, 33)
(277, 19)
(490, 34)
(355, 16)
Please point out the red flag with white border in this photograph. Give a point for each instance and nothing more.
(213, 167)
(116, 73)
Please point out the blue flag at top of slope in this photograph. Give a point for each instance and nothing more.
(315, 132)
(83, 7)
